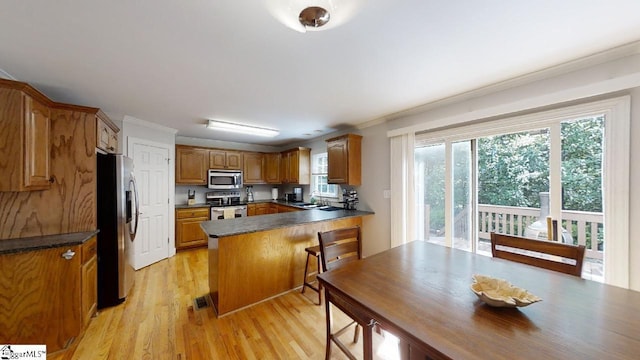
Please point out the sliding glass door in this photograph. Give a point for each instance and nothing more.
(510, 182)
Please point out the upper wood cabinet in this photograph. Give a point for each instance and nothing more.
(291, 167)
(225, 159)
(344, 160)
(25, 138)
(272, 168)
(191, 165)
(106, 134)
(295, 166)
(253, 169)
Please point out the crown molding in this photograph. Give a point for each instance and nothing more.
(133, 120)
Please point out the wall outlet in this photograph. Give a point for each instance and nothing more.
(386, 194)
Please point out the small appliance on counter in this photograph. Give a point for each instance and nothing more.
(191, 197)
(297, 194)
(249, 193)
(274, 193)
(349, 199)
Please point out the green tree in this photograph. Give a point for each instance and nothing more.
(514, 168)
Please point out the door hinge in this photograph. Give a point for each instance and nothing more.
(167, 240)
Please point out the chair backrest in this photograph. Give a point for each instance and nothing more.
(535, 252)
(339, 246)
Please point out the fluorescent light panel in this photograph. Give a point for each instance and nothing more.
(241, 128)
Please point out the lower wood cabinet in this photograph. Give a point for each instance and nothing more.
(189, 234)
(285, 208)
(269, 208)
(89, 280)
(42, 296)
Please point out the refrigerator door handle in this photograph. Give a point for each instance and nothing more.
(132, 185)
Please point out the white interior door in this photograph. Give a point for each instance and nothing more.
(151, 169)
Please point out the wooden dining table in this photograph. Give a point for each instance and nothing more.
(420, 292)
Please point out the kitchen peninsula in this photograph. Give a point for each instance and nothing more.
(255, 258)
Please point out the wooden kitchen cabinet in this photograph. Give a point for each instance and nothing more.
(253, 170)
(225, 159)
(285, 208)
(344, 160)
(295, 166)
(25, 138)
(188, 231)
(106, 134)
(272, 168)
(262, 209)
(191, 165)
(41, 299)
(89, 280)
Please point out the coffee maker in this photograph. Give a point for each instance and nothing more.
(349, 199)
(249, 193)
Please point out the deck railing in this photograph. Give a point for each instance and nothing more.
(586, 228)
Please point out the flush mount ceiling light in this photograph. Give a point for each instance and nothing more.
(241, 128)
(313, 15)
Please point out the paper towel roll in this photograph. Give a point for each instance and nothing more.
(274, 194)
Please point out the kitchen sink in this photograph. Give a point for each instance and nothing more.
(330, 208)
(304, 204)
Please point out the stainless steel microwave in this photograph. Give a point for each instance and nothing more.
(224, 179)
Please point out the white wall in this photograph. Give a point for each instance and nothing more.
(595, 78)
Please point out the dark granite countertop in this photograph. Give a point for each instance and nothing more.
(185, 206)
(250, 224)
(11, 246)
(200, 205)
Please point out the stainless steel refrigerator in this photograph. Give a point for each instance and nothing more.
(117, 212)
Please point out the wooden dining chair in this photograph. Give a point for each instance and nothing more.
(536, 253)
(338, 247)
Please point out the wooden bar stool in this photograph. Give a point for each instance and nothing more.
(315, 252)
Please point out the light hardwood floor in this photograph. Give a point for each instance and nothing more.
(158, 321)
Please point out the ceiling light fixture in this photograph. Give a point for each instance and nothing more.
(241, 128)
(313, 15)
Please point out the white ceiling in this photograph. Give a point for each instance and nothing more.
(178, 63)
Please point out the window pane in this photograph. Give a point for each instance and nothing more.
(462, 205)
(582, 216)
(513, 169)
(430, 177)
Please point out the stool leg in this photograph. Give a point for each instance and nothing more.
(306, 269)
(319, 286)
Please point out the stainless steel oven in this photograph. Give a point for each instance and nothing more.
(224, 179)
(228, 212)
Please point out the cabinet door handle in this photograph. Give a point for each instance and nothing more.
(68, 255)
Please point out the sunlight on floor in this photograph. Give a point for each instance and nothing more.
(389, 350)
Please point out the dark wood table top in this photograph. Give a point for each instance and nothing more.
(423, 291)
